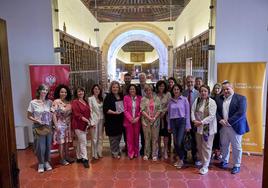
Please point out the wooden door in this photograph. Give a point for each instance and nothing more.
(8, 157)
(265, 161)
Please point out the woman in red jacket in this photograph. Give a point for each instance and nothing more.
(132, 113)
(80, 124)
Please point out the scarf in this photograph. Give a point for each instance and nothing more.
(201, 115)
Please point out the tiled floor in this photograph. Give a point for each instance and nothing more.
(125, 173)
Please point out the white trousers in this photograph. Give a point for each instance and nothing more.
(204, 148)
(81, 148)
(228, 136)
(97, 139)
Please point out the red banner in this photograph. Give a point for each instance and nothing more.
(52, 76)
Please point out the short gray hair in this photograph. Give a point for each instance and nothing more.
(142, 74)
(190, 77)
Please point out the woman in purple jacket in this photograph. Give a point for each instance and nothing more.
(178, 120)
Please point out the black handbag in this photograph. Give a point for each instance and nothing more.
(187, 141)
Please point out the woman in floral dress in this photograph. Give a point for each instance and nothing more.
(62, 110)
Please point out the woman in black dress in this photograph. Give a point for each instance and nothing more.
(216, 92)
(113, 113)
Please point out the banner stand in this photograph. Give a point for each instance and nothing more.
(50, 75)
(248, 79)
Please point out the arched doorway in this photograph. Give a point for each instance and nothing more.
(136, 57)
(127, 28)
(137, 35)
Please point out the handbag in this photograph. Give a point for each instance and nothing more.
(42, 130)
(187, 141)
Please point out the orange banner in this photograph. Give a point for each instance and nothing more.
(248, 80)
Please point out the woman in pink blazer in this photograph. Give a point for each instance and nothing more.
(132, 114)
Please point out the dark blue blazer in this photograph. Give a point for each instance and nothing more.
(237, 113)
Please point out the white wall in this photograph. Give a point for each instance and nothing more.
(241, 30)
(30, 41)
(149, 56)
(242, 33)
(193, 21)
(79, 22)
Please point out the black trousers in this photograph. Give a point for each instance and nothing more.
(193, 143)
(125, 136)
(142, 142)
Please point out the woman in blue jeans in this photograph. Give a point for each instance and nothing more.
(178, 120)
(39, 113)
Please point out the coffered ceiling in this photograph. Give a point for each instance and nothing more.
(135, 10)
(137, 46)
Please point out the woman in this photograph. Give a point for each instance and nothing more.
(96, 121)
(216, 92)
(113, 113)
(39, 113)
(203, 115)
(151, 110)
(171, 82)
(132, 115)
(61, 109)
(178, 121)
(164, 96)
(80, 124)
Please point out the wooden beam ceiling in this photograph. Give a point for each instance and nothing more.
(137, 46)
(135, 10)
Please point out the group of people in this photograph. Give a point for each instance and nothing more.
(67, 115)
(214, 120)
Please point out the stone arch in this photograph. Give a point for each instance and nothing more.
(145, 28)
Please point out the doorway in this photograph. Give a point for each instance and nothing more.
(9, 173)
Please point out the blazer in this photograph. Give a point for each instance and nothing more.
(210, 119)
(128, 109)
(96, 110)
(144, 107)
(113, 123)
(237, 113)
(79, 110)
(194, 96)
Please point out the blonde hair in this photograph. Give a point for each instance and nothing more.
(113, 83)
(148, 86)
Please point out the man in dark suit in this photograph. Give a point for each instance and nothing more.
(127, 82)
(231, 114)
(191, 93)
(140, 88)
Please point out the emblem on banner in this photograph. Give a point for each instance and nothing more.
(50, 80)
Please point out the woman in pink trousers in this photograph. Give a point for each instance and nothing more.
(132, 113)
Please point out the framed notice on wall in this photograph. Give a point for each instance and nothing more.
(189, 66)
(138, 68)
(137, 56)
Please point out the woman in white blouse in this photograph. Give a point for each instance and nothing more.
(39, 113)
(203, 114)
(96, 121)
